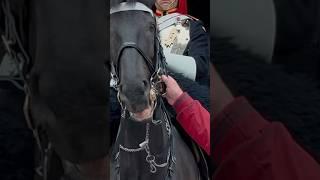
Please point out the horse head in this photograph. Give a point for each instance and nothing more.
(133, 55)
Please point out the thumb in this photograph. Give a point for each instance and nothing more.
(164, 78)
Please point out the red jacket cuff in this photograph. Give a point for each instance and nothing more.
(183, 101)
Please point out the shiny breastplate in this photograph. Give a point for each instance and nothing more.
(174, 32)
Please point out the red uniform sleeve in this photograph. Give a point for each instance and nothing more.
(195, 120)
(247, 147)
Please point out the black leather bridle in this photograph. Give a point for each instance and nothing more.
(133, 45)
(157, 69)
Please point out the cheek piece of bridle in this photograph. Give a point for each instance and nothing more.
(158, 89)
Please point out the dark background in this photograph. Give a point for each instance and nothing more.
(200, 10)
(297, 45)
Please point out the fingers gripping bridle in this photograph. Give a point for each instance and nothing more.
(158, 68)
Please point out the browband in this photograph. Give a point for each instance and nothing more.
(133, 6)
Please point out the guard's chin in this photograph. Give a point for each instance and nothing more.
(143, 115)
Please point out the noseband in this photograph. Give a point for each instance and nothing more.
(133, 45)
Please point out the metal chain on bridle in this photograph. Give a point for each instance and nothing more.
(157, 90)
(17, 53)
(144, 146)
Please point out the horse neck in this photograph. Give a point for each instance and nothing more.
(134, 133)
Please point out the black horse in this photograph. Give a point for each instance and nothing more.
(147, 146)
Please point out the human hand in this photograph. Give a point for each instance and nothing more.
(173, 89)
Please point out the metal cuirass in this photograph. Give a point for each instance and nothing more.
(174, 32)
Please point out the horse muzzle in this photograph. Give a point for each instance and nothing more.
(140, 108)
